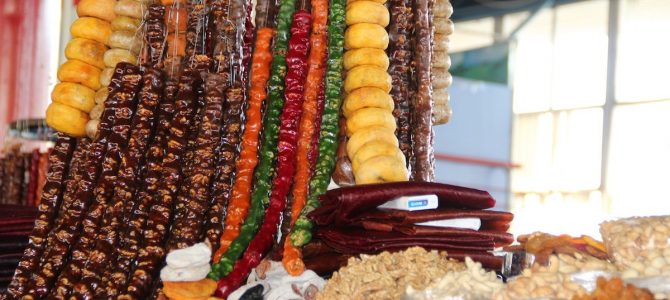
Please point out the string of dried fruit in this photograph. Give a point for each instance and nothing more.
(253, 212)
(176, 18)
(221, 30)
(136, 211)
(296, 60)
(187, 228)
(441, 77)
(372, 146)
(247, 44)
(307, 151)
(196, 35)
(124, 41)
(248, 157)
(66, 235)
(48, 209)
(422, 168)
(13, 176)
(155, 33)
(34, 158)
(107, 240)
(75, 174)
(400, 54)
(325, 163)
(152, 251)
(343, 175)
(43, 164)
(228, 155)
(80, 76)
(102, 179)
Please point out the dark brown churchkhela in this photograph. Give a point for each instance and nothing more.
(228, 46)
(422, 122)
(152, 251)
(108, 237)
(188, 227)
(52, 194)
(400, 58)
(196, 38)
(104, 187)
(63, 237)
(196, 34)
(137, 211)
(228, 154)
(155, 33)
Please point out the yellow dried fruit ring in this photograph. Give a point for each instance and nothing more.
(130, 8)
(115, 56)
(366, 35)
(376, 148)
(101, 95)
(96, 112)
(367, 76)
(74, 95)
(102, 9)
(67, 119)
(88, 51)
(370, 116)
(367, 12)
(92, 29)
(123, 23)
(80, 72)
(106, 77)
(122, 39)
(368, 134)
(92, 128)
(380, 169)
(366, 56)
(366, 97)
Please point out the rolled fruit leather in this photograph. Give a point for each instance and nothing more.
(340, 205)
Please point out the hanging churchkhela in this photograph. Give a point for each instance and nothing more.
(182, 121)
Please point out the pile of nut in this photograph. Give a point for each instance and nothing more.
(387, 275)
(541, 285)
(639, 246)
(554, 279)
(469, 284)
(567, 264)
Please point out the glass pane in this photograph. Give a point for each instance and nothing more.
(557, 152)
(472, 34)
(532, 142)
(577, 150)
(643, 47)
(638, 160)
(580, 64)
(531, 65)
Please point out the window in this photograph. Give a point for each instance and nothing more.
(643, 47)
(560, 87)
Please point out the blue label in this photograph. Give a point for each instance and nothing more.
(418, 203)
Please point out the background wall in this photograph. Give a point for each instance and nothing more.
(473, 149)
